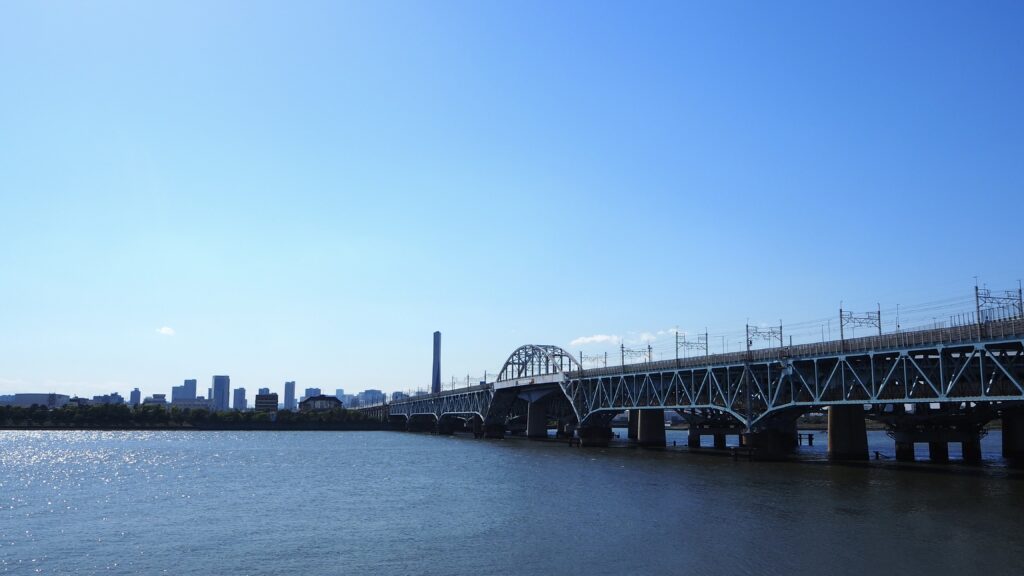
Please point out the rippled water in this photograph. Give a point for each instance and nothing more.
(396, 503)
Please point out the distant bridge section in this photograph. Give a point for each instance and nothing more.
(974, 373)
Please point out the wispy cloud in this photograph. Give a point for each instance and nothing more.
(596, 339)
(165, 331)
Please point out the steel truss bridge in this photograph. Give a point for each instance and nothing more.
(964, 366)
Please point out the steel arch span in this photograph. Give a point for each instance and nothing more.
(533, 360)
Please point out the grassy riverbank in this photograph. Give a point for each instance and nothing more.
(122, 417)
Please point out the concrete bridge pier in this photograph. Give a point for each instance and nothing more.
(476, 424)
(594, 436)
(719, 441)
(633, 419)
(971, 448)
(494, 431)
(420, 423)
(536, 421)
(904, 451)
(693, 437)
(776, 442)
(651, 428)
(1013, 435)
(847, 434)
(446, 426)
(938, 452)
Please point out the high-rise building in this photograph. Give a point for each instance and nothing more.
(289, 395)
(370, 397)
(264, 391)
(435, 379)
(310, 392)
(186, 391)
(338, 393)
(221, 392)
(239, 401)
(135, 397)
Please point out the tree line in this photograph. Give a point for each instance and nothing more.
(122, 416)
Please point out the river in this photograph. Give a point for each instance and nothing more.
(397, 503)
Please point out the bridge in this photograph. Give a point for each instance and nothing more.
(936, 386)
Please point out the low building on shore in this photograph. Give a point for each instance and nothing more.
(319, 403)
(155, 400)
(27, 400)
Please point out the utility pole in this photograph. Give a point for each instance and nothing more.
(746, 378)
(879, 319)
(622, 352)
(1020, 301)
(842, 337)
(650, 358)
(977, 306)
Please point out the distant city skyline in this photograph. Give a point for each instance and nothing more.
(308, 196)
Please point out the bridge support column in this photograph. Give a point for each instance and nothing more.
(693, 437)
(651, 428)
(633, 417)
(972, 450)
(774, 443)
(477, 426)
(904, 451)
(1013, 435)
(447, 426)
(494, 431)
(938, 451)
(594, 436)
(719, 441)
(536, 421)
(847, 435)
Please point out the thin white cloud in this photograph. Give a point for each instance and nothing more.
(647, 337)
(165, 331)
(596, 339)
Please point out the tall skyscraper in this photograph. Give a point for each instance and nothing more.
(136, 397)
(221, 392)
(239, 401)
(264, 391)
(435, 380)
(186, 391)
(289, 395)
(310, 392)
(338, 393)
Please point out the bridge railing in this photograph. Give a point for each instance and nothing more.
(963, 334)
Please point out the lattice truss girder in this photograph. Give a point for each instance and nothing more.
(474, 402)
(986, 372)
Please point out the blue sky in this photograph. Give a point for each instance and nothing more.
(306, 191)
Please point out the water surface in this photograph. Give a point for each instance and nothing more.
(397, 503)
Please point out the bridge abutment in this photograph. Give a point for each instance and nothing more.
(651, 428)
(847, 433)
